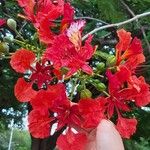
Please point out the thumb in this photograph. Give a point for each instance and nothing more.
(107, 137)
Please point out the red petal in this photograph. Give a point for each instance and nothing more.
(123, 74)
(21, 60)
(134, 49)
(72, 141)
(87, 50)
(133, 62)
(49, 98)
(39, 123)
(23, 90)
(92, 111)
(68, 16)
(141, 93)
(110, 108)
(87, 69)
(126, 127)
(117, 80)
(68, 115)
(28, 7)
(124, 40)
(44, 32)
(143, 99)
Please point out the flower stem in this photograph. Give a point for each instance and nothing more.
(106, 93)
(74, 86)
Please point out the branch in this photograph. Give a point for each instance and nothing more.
(138, 24)
(78, 18)
(91, 18)
(116, 24)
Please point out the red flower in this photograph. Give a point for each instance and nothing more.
(45, 24)
(126, 127)
(142, 92)
(119, 94)
(67, 114)
(127, 48)
(67, 50)
(2, 22)
(41, 73)
(45, 16)
(21, 60)
(39, 123)
(52, 97)
(42, 14)
(43, 7)
(92, 111)
(72, 141)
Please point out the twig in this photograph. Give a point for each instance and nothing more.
(116, 24)
(24, 24)
(138, 24)
(78, 18)
(91, 18)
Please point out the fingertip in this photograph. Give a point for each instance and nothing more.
(105, 124)
(107, 137)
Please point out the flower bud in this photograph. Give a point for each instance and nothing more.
(100, 66)
(12, 24)
(8, 39)
(96, 81)
(111, 61)
(4, 48)
(102, 54)
(85, 94)
(100, 87)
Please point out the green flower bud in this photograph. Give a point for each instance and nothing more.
(100, 87)
(4, 48)
(102, 54)
(96, 81)
(111, 61)
(100, 66)
(85, 94)
(12, 24)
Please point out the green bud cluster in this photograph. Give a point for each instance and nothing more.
(98, 85)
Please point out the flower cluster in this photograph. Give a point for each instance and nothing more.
(66, 57)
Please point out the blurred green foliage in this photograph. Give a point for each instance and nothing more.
(20, 140)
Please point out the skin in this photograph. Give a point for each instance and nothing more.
(105, 137)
